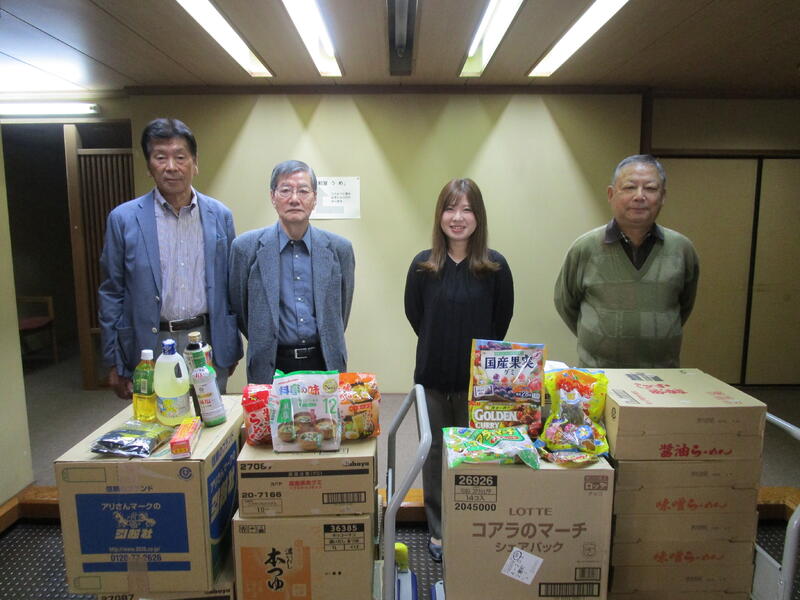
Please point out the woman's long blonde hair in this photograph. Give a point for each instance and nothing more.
(477, 246)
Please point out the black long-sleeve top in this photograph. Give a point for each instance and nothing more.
(448, 310)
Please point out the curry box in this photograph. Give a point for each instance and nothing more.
(700, 526)
(636, 474)
(154, 524)
(308, 483)
(326, 557)
(685, 501)
(678, 553)
(683, 578)
(512, 531)
(680, 414)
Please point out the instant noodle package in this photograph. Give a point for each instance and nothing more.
(359, 405)
(255, 403)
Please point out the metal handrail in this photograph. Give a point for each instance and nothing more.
(792, 539)
(394, 500)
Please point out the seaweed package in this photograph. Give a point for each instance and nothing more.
(359, 405)
(304, 412)
(133, 438)
(578, 398)
(505, 446)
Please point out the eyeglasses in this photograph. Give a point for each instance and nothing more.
(286, 192)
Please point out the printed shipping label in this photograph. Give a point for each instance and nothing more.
(522, 566)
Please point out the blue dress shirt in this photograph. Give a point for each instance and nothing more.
(298, 323)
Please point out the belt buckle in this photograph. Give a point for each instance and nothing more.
(171, 330)
(303, 353)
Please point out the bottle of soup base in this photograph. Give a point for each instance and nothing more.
(171, 383)
(204, 381)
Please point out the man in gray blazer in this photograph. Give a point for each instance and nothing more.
(164, 265)
(291, 284)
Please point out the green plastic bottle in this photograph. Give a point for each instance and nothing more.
(144, 394)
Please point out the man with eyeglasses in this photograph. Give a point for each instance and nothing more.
(627, 288)
(291, 284)
(164, 265)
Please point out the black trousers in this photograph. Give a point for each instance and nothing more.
(312, 363)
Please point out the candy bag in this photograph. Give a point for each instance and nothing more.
(133, 438)
(503, 446)
(255, 403)
(359, 405)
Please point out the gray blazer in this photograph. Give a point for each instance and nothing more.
(254, 296)
(129, 298)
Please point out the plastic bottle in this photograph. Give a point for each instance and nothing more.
(171, 383)
(144, 395)
(204, 380)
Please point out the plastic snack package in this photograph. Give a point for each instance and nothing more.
(494, 415)
(304, 412)
(576, 396)
(506, 445)
(359, 405)
(255, 402)
(508, 372)
(132, 438)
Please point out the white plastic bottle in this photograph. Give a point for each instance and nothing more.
(171, 383)
(204, 380)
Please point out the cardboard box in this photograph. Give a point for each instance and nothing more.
(654, 553)
(154, 524)
(684, 578)
(685, 501)
(323, 557)
(636, 474)
(308, 483)
(679, 596)
(549, 529)
(701, 526)
(680, 414)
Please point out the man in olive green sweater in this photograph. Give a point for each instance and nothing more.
(626, 288)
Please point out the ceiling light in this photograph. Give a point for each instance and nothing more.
(209, 18)
(30, 109)
(309, 24)
(494, 24)
(593, 19)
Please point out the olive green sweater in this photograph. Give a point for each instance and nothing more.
(624, 317)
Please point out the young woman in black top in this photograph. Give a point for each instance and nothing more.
(456, 291)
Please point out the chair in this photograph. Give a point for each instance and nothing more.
(34, 321)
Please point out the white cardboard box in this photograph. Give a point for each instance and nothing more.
(308, 483)
(512, 532)
(148, 525)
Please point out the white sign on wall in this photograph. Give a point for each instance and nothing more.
(338, 198)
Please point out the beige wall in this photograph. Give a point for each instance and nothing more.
(15, 446)
(542, 163)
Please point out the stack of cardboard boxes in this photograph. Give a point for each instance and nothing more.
(154, 527)
(306, 523)
(687, 451)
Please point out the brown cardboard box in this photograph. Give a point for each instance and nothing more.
(323, 557)
(687, 527)
(666, 595)
(680, 501)
(154, 524)
(635, 474)
(308, 483)
(549, 529)
(684, 578)
(654, 553)
(680, 414)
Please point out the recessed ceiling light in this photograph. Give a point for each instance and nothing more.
(309, 24)
(584, 28)
(496, 20)
(209, 18)
(30, 109)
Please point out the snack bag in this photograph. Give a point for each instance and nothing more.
(508, 372)
(255, 403)
(132, 438)
(359, 405)
(304, 412)
(576, 394)
(494, 415)
(505, 446)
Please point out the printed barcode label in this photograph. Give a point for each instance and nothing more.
(587, 574)
(623, 395)
(344, 498)
(643, 377)
(559, 590)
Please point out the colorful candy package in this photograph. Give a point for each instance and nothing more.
(505, 446)
(359, 405)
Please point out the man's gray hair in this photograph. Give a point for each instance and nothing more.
(644, 159)
(290, 167)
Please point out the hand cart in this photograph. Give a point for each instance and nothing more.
(400, 586)
(774, 581)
